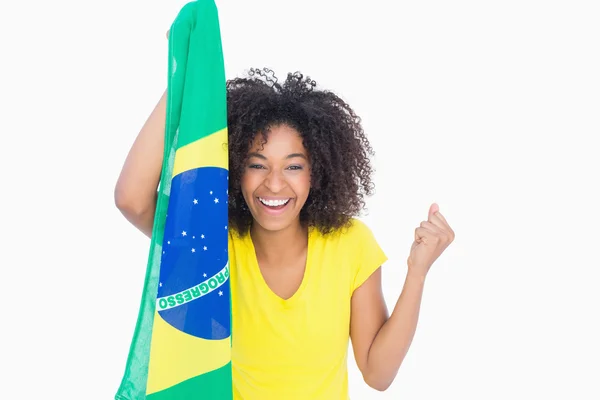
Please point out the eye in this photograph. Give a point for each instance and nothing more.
(295, 167)
(255, 166)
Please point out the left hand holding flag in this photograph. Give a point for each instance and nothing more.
(432, 237)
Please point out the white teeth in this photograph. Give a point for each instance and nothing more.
(273, 203)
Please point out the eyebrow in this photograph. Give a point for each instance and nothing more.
(293, 155)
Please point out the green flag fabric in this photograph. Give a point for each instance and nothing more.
(181, 347)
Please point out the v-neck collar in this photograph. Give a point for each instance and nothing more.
(255, 269)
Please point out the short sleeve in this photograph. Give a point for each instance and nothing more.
(368, 254)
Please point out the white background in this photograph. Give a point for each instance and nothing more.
(491, 109)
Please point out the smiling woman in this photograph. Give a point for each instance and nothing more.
(304, 271)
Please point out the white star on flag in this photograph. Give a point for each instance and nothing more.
(220, 293)
(204, 275)
(216, 200)
(205, 248)
(184, 233)
(195, 201)
(193, 250)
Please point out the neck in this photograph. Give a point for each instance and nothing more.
(279, 245)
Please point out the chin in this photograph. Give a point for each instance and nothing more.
(273, 226)
(270, 224)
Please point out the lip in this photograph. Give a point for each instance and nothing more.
(270, 211)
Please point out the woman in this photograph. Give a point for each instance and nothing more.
(305, 273)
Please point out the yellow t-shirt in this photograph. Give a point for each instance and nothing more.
(297, 348)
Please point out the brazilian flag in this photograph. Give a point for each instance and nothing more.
(181, 347)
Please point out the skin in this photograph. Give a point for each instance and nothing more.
(381, 342)
(281, 169)
(135, 193)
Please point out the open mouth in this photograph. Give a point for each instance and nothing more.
(274, 204)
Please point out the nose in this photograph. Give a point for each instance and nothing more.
(275, 181)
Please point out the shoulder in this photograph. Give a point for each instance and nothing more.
(355, 231)
(236, 242)
(353, 236)
(358, 228)
(234, 235)
(356, 247)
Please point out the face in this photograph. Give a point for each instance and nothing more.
(276, 179)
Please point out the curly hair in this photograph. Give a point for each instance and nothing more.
(331, 132)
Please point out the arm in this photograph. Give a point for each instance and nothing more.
(136, 189)
(381, 343)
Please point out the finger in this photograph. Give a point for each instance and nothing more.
(446, 227)
(441, 217)
(430, 227)
(432, 210)
(422, 235)
(438, 220)
(418, 234)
